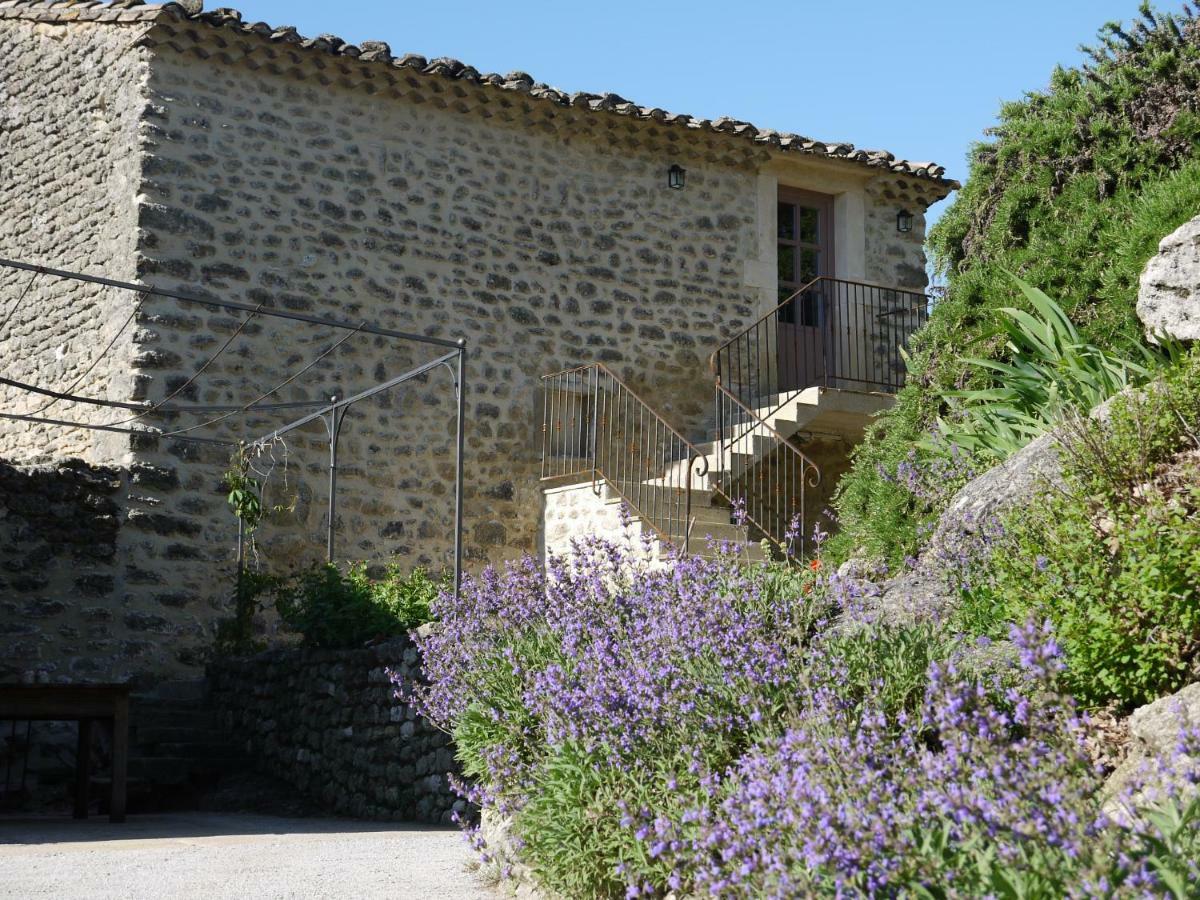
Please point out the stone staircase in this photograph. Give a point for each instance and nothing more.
(710, 471)
(790, 402)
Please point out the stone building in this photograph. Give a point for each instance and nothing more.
(192, 150)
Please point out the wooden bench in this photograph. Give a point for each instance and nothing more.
(85, 704)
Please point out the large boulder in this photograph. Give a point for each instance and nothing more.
(1032, 470)
(1154, 733)
(930, 588)
(1169, 293)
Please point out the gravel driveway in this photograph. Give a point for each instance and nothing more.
(220, 855)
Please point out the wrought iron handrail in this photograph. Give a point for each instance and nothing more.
(768, 485)
(832, 332)
(594, 424)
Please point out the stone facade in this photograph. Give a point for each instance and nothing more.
(329, 723)
(235, 163)
(573, 511)
(71, 105)
(58, 529)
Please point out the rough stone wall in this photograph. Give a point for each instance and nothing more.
(328, 722)
(545, 240)
(574, 511)
(895, 259)
(542, 250)
(71, 100)
(81, 599)
(58, 569)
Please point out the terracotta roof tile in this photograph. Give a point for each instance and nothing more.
(517, 82)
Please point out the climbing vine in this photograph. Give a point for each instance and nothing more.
(246, 481)
(245, 491)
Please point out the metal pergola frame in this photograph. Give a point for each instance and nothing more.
(331, 411)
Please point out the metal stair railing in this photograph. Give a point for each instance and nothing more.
(762, 474)
(594, 424)
(831, 333)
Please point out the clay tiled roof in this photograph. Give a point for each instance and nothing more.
(378, 52)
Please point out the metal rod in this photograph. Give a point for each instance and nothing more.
(150, 407)
(333, 424)
(25, 754)
(224, 304)
(10, 751)
(241, 552)
(460, 445)
(361, 395)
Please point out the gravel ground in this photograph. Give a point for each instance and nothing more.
(220, 855)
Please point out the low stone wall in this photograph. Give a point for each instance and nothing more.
(329, 723)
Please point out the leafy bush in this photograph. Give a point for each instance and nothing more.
(332, 608)
(236, 634)
(1114, 560)
(1122, 587)
(1074, 192)
(1050, 372)
(693, 728)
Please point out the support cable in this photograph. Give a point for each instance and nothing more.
(13, 311)
(96, 360)
(273, 390)
(146, 409)
(17, 417)
(183, 387)
(228, 304)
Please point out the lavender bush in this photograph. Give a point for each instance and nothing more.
(697, 728)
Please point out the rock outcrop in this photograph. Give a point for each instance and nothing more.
(1154, 732)
(1169, 292)
(928, 588)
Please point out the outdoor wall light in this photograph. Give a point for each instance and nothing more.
(904, 220)
(676, 176)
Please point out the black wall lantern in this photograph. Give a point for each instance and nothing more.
(904, 220)
(676, 176)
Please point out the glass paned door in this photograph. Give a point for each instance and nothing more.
(804, 241)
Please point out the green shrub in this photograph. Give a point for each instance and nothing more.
(332, 608)
(1073, 194)
(236, 634)
(576, 825)
(1114, 559)
(887, 664)
(1121, 586)
(1049, 372)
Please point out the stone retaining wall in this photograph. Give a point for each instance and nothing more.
(328, 722)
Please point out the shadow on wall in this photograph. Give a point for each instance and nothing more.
(58, 545)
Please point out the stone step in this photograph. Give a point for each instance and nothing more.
(157, 734)
(655, 499)
(702, 531)
(195, 690)
(200, 719)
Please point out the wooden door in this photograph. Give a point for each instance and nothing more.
(804, 235)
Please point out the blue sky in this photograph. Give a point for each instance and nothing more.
(922, 80)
